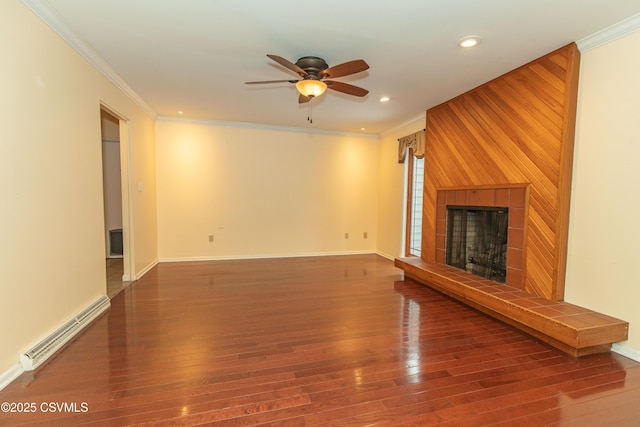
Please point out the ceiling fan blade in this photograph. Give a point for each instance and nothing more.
(288, 64)
(302, 99)
(270, 81)
(346, 88)
(345, 69)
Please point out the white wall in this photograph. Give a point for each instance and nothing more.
(391, 196)
(602, 269)
(52, 256)
(263, 192)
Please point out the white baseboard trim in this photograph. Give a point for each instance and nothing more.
(626, 351)
(7, 377)
(387, 256)
(264, 256)
(146, 269)
(47, 347)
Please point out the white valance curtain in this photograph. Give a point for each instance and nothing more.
(415, 141)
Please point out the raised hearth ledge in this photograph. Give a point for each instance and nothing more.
(572, 329)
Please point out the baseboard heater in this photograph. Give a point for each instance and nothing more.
(34, 357)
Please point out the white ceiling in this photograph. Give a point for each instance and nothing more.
(195, 55)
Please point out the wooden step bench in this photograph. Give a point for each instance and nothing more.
(575, 330)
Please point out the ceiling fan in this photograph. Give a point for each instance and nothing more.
(314, 72)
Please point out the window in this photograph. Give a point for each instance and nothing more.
(415, 191)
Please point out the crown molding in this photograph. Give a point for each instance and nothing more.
(609, 34)
(43, 11)
(420, 118)
(247, 125)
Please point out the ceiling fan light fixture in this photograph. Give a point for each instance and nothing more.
(311, 88)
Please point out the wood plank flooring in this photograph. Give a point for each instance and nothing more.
(114, 277)
(341, 341)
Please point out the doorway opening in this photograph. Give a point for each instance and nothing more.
(115, 184)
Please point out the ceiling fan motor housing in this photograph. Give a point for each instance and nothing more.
(312, 65)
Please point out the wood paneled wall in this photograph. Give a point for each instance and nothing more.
(515, 130)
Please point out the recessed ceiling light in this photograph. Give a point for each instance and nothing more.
(469, 41)
(384, 99)
(362, 129)
(180, 112)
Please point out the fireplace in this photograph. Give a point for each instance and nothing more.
(476, 240)
(512, 202)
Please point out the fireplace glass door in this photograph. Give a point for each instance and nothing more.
(476, 240)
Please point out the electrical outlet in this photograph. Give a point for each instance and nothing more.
(346, 235)
(210, 238)
(366, 234)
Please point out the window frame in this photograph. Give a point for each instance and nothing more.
(410, 201)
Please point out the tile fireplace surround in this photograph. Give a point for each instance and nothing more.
(513, 198)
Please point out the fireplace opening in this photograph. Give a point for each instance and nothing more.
(476, 240)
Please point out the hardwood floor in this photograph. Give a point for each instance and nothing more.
(313, 341)
(114, 277)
